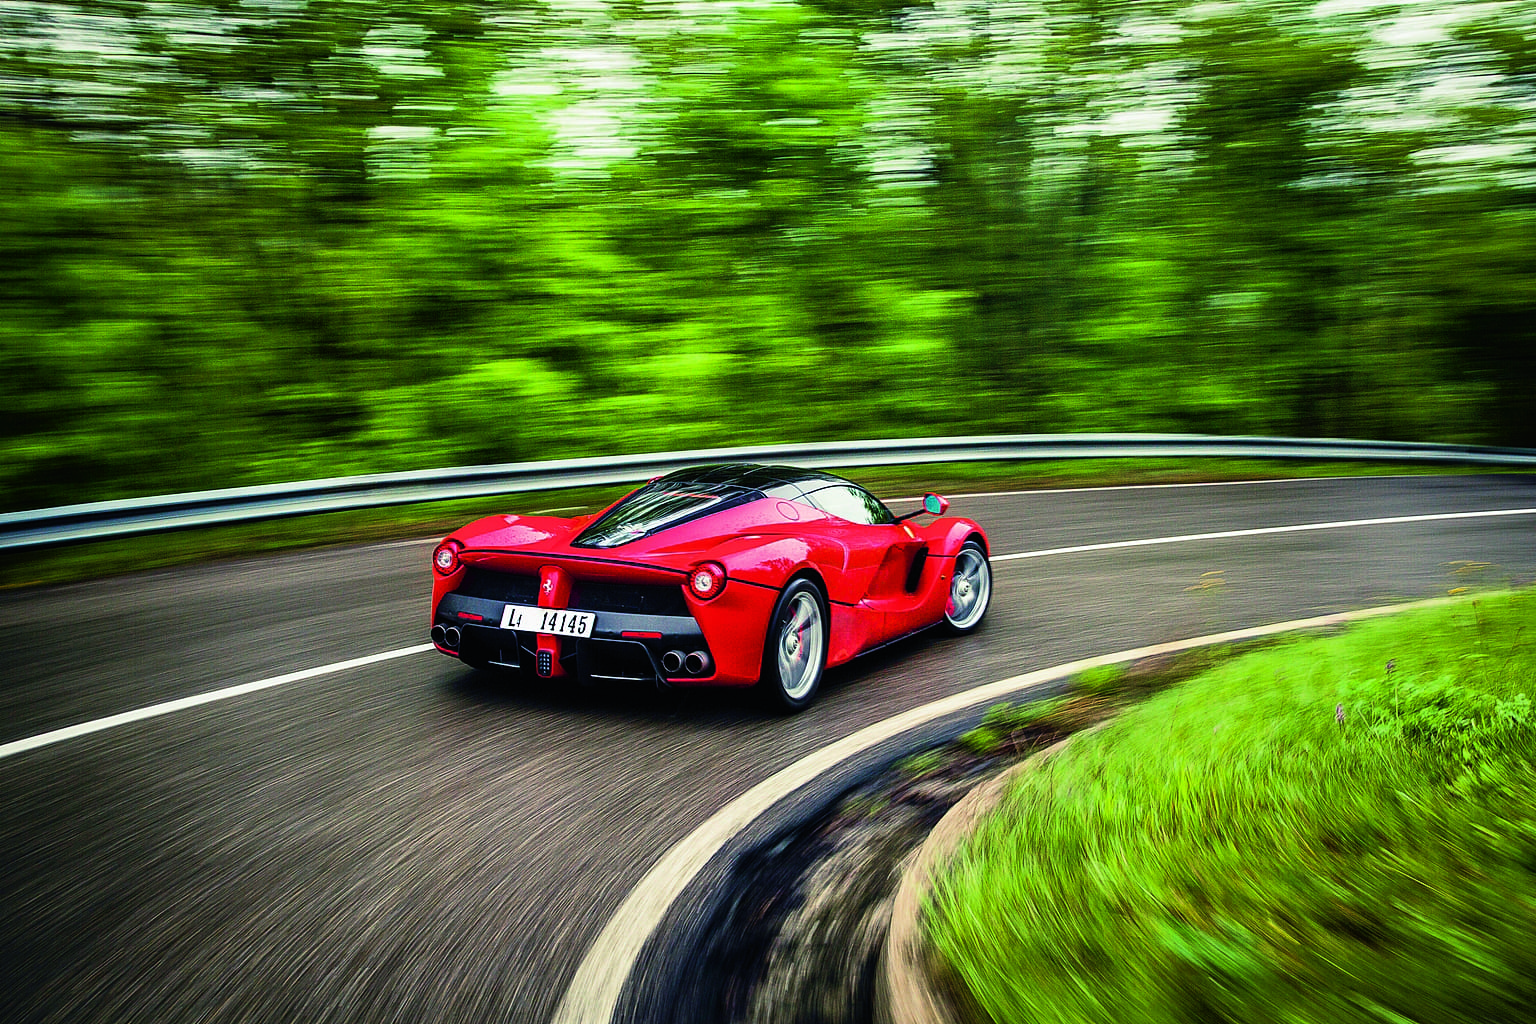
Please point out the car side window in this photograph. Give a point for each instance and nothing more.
(853, 504)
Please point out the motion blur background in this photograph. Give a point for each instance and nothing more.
(255, 240)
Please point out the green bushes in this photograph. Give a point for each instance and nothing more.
(1333, 830)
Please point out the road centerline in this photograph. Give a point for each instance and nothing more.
(1260, 531)
(70, 732)
(197, 700)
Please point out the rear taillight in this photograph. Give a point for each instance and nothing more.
(706, 580)
(445, 560)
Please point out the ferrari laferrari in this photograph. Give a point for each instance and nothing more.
(724, 575)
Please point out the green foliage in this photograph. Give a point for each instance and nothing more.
(984, 739)
(1004, 723)
(1008, 717)
(246, 243)
(1103, 679)
(1329, 830)
(921, 763)
(1459, 731)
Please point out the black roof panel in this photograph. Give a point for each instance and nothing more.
(753, 475)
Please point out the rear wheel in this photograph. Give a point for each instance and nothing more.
(970, 589)
(795, 654)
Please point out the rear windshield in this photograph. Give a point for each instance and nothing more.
(659, 505)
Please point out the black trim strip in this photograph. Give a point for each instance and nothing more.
(749, 583)
(895, 640)
(780, 590)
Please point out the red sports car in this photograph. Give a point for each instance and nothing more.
(727, 575)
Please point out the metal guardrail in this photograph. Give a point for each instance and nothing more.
(98, 520)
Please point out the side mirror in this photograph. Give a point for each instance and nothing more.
(933, 505)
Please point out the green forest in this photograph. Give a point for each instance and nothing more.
(258, 240)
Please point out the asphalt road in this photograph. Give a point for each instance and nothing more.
(409, 842)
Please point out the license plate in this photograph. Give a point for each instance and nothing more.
(548, 620)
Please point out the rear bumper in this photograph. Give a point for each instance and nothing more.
(625, 647)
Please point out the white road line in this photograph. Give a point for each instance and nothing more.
(1197, 483)
(600, 979)
(69, 732)
(1045, 491)
(1262, 530)
(156, 710)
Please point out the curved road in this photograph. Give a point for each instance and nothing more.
(404, 841)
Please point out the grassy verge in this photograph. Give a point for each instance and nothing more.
(133, 554)
(1334, 829)
(893, 481)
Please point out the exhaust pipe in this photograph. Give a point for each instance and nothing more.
(697, 663)
(439, 635)
(672, 662)
(451, 637)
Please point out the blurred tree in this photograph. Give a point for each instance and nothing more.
(246, 241)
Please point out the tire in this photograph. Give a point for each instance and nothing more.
(970, 590)
(795, 652)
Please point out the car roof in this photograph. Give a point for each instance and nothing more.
(768, 479)
(696, 492)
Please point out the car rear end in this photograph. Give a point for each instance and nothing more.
(596, 619)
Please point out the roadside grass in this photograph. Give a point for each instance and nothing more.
(1329, 829)
(92, 560)
(954, 478)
